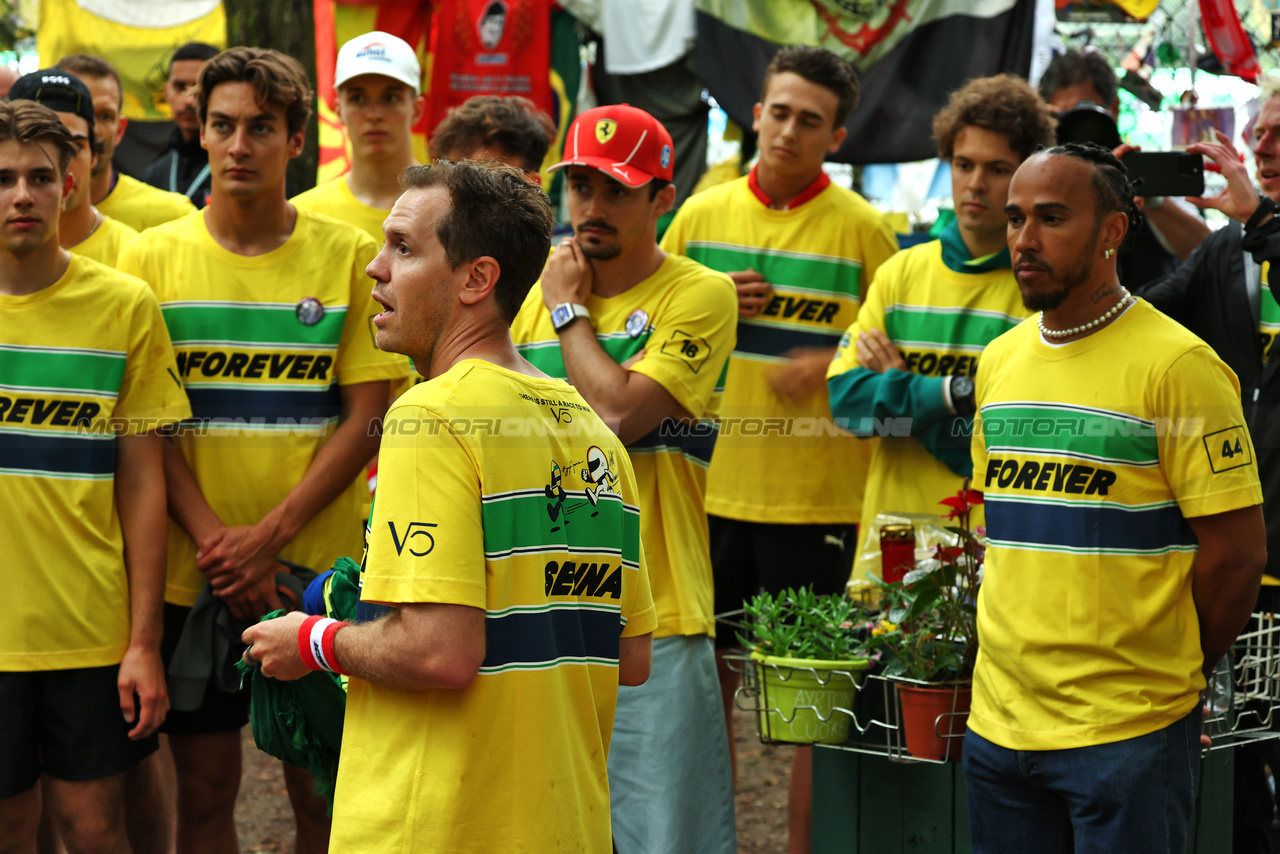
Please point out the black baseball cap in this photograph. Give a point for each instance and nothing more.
(60, 91)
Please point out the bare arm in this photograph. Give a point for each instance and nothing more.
(1181, 229)
(417, 647)
(140, 502)
(635, 656)
(242, 562)
(631, 403)
(186, 502)
(1226, 575)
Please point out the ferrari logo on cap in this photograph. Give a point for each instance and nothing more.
(605, 129)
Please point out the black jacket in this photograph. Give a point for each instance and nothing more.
(178, 168)
(1208, 295)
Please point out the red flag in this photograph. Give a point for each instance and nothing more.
(489, 47)
(1228, 40)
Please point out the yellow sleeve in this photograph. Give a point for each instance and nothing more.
(637, 597)
(870, 316)
(151, 394)
(426, 540)
(1206, 453)
(692, 340)
(359, 359)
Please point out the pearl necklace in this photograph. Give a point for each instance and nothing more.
(1065, 333)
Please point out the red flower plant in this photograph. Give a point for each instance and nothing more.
(962, 502)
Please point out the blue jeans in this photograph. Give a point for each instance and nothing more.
(1132, 796)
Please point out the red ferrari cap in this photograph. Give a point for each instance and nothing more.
(622, 141)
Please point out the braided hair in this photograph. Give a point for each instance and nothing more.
(1110, 182)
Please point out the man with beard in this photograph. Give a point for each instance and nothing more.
(644, 336)
(184, 167)
(1126, 539)
(914, 348)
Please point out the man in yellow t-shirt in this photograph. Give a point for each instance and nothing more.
(82, 228)
(505, 537)
(608, 297)
(124, 199)
(904, 370)
(82, 495)
(785, 486)
(269, 309)
(378, 81)
(1126, 538)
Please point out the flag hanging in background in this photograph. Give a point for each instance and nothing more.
(137, 38)
(1227, 38)
(338, 23)
(527, 34)
(490, 47)
(910, 55)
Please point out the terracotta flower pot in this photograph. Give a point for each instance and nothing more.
(934, 720)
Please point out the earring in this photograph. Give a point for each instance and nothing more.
(1108, 253)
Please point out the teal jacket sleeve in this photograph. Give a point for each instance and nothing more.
(861, 397)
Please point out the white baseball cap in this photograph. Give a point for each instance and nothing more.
(378, 53)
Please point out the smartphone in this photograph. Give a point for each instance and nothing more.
(1165, 173)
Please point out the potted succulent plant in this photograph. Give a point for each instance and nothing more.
(806, 653)
(927, 636)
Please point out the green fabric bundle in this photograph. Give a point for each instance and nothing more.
(300, 721)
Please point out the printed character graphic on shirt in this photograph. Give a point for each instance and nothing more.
(598, 472)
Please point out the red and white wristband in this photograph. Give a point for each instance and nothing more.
(315, 643)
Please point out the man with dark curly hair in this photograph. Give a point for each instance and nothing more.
(494, 127)
(910, 356)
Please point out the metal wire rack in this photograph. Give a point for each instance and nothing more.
(874, 719)
(1241, 701)
(1242, 698)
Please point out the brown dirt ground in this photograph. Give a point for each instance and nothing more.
(265, 820)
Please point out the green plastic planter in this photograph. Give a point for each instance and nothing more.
(824, 685)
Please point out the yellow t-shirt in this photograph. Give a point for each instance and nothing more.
(488, 498)
(778, 461)
(1268, 315)
(683, 317)
(940, 320)
(81, 361)
(1093, 455)
(263, 345)
(105, 243)
(141, 206)
(334, 198)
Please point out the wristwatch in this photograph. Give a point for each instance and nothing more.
(961, 390)
(566, 313)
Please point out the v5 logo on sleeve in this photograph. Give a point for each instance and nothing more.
(415, 529)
